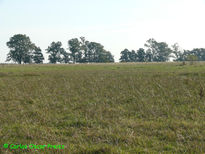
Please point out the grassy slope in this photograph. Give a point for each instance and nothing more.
(108, 108)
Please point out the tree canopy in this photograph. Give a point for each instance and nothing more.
(21, 49)
(84, 51)
(160, 52)
(37, 55)
(55, 52)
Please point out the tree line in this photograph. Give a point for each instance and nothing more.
(160, 52)
(22, 50)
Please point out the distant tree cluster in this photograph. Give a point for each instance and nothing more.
(22, 50)
(160, 52)
(81, 51)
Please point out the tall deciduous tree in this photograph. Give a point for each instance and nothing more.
(133, 56)
(141, 55)
(84, 49)
(65, 57)
(97, 53)
(105, 57)
(21, 49)
(75, 49)
(178, 53)
(151, 49)
(199, 52)
(55, 50)
(37, 55)
(94, 51)
(163, 52)
(125, 56)
(158, 51)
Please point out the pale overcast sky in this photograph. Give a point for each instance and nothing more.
(116, 24)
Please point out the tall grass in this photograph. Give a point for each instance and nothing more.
(104, 108)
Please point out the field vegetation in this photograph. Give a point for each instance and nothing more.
(104, 108)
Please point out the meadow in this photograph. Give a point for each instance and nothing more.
(104, 108)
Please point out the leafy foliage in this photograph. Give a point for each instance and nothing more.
(160, 52)
(141, 55)
(21, 49)
(74, 46)
(125, 56)
(55, 50)
(38, 56)
(83, 51)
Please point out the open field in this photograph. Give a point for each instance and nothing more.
(104, 108)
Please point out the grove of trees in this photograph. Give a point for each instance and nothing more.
(22, 50)
(160, 52)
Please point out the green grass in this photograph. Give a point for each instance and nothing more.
(104, 108)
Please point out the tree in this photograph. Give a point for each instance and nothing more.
(178, 52)
(109, 57)
(94, 51)
(97, 53)
(128, 56)
(151, 51)
(163, 52)
(141, 55)
(157, 51)
(105, 57)
(125, 56)
(55, 50)
(21, 49)
(199, 52)
(74, 46)
(84, 50)
(132, 56)
(37, 55)
(65, 57)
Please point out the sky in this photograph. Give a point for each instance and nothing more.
(116, 24)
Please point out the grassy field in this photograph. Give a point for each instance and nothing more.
(104, 108)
